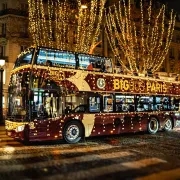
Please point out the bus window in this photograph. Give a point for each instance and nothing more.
(80, 109)
(108, 103)
(84, 61)
(145, 103)
(124, 103)
(162, 103)
(57, 58)
(165, 103)
(108, 66)
(176, 104)
(94, 104)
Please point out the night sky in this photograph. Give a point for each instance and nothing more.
(173, 4)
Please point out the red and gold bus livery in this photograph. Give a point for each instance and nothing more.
(94, 81)
(54, 95)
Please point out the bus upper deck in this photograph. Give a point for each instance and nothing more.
(64, 59)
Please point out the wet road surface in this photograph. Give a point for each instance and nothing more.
(129, 156)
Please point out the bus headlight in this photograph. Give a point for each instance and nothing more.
(20, 128)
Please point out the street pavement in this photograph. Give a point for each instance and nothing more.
(131, 156)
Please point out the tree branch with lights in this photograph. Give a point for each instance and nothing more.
(142, 37)
(53, 24)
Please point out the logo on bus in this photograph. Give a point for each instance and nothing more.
(139, 86)
(101, 83)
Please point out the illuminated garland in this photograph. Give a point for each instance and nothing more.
(141, 44)
(53, 23)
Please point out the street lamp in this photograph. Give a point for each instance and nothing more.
(2, 63)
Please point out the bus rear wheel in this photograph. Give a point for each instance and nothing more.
(168, 126)
(153, 125)
(72, 132)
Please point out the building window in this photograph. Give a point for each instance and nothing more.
(24, 7)
(4, 76)
(2, 51)
(171, 53)
(3, 29)
(4, 6)
(3, 102)
(23, 29)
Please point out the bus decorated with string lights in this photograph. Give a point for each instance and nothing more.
(55, 94)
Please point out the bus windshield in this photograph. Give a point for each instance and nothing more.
(18, 96)
(24, 58)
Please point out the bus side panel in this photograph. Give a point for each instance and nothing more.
(97, 129)
(39, 132)
(46, 130)
(55, 129)
(129, 123)
(143, 120)
(111, 123)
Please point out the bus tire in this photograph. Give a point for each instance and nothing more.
(73, 132)
(168, 126)
(26, 135)
(153, 125)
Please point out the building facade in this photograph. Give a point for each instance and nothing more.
(13, 37)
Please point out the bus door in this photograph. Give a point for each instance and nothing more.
(45, 111)
(95, 115)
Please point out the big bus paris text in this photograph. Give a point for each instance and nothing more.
(55, 94)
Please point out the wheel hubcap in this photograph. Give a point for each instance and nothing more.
(72, 132)
(168, 124)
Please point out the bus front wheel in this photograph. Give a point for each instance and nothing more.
(73, 132)
(153, 125)
(26, 135)
(168, 126)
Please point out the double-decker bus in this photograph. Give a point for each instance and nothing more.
(55, 94)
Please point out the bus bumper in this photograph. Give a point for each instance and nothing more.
(15, 129)
(15, 135)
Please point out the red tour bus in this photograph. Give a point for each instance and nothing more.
(53, 95)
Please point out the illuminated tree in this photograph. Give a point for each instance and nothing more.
(58, 24)
(142, 37)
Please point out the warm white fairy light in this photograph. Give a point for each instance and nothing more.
(50, 13)
(57, 19)
(146, 60)
(143, 51)
(168, 40)
(97, 32)
(43, 22)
